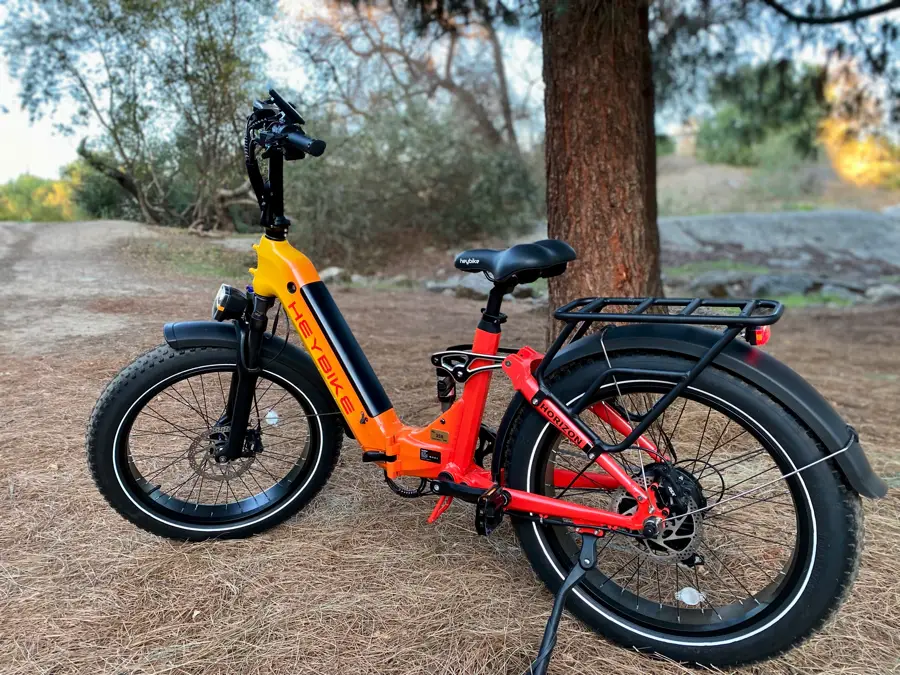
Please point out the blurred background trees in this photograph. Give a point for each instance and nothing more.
(163, 83)
(435, 112)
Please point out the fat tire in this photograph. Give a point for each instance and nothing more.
(149, 370)
(836, 509)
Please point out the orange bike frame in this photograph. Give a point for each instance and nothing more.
(444, 449)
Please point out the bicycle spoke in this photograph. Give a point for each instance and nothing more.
(197, 401)
(723, 451)
(717, 526)
(184, 475)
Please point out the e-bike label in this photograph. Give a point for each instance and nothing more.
(429, 455)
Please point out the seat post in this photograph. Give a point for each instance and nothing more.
(491, 316)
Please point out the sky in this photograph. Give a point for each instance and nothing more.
(40, 150)
(37, 149)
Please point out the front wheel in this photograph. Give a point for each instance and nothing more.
(731, 584)
(153, 436)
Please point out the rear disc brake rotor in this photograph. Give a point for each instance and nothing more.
(678, 540)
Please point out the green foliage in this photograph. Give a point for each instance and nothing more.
(693, 269)
(813, 300)
(665, 145)
(780, 176)
(30, 198)
(96, 196)
(756, 102)
(168, 81)
(404, 179)
(727, 138)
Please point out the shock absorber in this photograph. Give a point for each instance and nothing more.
(446, 389)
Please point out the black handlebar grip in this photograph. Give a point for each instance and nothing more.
(311, 146)
(289, 111)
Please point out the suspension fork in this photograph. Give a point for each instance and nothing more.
(242, 390)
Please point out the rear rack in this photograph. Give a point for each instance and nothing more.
(752, 312)
(579, 315)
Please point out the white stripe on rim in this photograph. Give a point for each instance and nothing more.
(216, 528)
(658, 637)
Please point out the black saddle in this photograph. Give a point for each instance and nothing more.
(520, 264)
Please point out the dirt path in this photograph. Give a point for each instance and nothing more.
(358, 583)
(66, 268)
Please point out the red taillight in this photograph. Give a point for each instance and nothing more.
(758, 336)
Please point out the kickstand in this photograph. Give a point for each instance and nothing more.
(587, 559)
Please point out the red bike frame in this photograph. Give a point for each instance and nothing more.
(445, 449)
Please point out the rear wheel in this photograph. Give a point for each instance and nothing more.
(154, 434)
(729, 584)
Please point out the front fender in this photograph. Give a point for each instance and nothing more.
(187, 334)
(742, 360)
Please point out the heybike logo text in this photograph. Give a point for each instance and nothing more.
(331, 376)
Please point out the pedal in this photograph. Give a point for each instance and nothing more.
(489, 510)
(374, 456)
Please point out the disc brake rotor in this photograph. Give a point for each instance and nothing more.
(201, 457)
(678, 540)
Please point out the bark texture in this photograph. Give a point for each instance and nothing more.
(600, 147)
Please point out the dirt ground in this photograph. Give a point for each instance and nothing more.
(358, 582)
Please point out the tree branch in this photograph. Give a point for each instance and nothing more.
(825, 20)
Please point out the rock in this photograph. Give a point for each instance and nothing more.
(540, 302)
(359, 280)
(783, 284)
(840, 292)
(401, 280)
(884, 293)
(892, 211)
(334, 275)
(450, 283)
(857, 287)
(473, 286)
(719, 283)
(801, 260)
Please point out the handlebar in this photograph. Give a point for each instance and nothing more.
(311, 146)
(290, 112)
(275, 126)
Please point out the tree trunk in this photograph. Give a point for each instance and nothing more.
(600, 147)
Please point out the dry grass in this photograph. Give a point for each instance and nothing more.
(358, 583)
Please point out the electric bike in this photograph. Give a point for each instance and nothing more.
(679, 490)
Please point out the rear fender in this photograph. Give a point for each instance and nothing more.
(740, 359)
(187, 334)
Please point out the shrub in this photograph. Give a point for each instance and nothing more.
(862, 159)
(726, 138)
(665, 145)
(36, 199)
(755, 102)
(417, 178)
(97, 196)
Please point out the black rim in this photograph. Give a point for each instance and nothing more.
(715, 571)
(168, 438)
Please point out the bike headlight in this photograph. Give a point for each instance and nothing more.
(230, 303)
